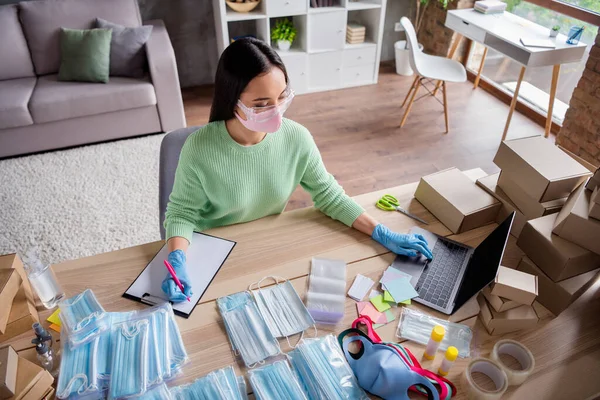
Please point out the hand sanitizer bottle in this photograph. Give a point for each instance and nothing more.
(42, 279)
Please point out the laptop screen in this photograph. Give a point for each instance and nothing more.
(484, 263)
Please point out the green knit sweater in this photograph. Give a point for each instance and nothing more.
(220, 182)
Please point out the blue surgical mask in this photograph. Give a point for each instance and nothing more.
(324, 371)
(78, 373)
(381, 371)
(246, 329)
(83, 318)
(282, 308)
(275, 381)
(219, 384)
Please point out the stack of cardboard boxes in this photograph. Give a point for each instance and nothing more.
(22, 379)
(505, 305)
(545, 187)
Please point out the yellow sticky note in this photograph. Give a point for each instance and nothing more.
(388, 297)
(55, 327)
(379, 304)
(54, 319)
(407, 302)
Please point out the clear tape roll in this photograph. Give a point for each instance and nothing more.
(487, 367)
(520, 353)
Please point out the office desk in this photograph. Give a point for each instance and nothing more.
(567, 348)
(502, 32)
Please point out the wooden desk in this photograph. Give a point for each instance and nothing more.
(502, 32)
(567, 349)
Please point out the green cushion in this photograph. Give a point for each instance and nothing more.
(85, 55)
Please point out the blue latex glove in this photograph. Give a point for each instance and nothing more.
(177, 260)
(403, 244)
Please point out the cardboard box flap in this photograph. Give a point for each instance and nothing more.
(490, 185)
(515, 314)
(578, 204)
(544, 226)
(547, 159)
(8, 371)
(516, 279)
(485, 311)
(460, 191)
(28, 374)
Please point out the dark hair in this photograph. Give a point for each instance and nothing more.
(242, 61)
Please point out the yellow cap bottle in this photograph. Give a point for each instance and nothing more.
(451, 354)
(437, 334)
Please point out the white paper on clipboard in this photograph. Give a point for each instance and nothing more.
(205, 256)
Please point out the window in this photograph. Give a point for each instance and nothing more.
(503, 72)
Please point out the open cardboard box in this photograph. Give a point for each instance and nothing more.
(33, 381)
(496, 323)
(490, 185)
(528, 205)
(456, 200)
(515, 285)
(574, 223)
(594, 211)
(8, 372)
(557, 296)
(10, 282)
(539, 168)
(559, 258)
(498, 303)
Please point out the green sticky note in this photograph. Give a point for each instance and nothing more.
(388, 297)
(379, 304)
(407, 302)
(375, 326)
(389, 315)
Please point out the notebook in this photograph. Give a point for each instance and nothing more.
(534, 42)
(205, 257)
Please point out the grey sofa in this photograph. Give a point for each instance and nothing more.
(37, 112)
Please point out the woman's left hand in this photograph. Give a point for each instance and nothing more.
(399, 243)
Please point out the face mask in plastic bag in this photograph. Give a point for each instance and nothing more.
(219, 384)
(281, 308)
(83, 318)
(247, 331)
(326, 296)
(78, 371)
(416, 326)
(275, 381)
(323, 370)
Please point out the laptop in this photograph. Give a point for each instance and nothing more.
(457, 272)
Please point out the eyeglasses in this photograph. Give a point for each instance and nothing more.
(264, 113)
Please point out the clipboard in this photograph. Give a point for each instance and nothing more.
(205, 257)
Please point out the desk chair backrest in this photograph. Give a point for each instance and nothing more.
(415, 53)
(170, 148)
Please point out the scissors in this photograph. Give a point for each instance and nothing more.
(390, 203)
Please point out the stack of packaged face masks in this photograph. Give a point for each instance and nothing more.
(116, 355)
(221, 384)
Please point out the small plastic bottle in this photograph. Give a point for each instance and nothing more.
(448, 362)
(437, 334)
(45, 354)
(42, 279)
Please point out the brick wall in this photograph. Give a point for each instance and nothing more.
(580, 132)
(434, 36)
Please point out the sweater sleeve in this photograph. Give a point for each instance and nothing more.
(326, 192)
(187, 198)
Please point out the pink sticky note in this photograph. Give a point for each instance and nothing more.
(361, 305)
(370, 311)
(382, 319)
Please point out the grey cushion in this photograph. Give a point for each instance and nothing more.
(170, 148)
(127, 48)
(54, 101)
(15, 61)
(42, 20)
(14, 96)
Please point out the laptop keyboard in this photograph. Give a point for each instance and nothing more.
(437, 280)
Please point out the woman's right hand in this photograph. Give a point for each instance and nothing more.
(177, 260)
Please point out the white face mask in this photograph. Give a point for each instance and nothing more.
(265, 119)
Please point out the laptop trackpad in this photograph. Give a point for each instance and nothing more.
(413, 266)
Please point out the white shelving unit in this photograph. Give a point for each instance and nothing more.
(320, 59)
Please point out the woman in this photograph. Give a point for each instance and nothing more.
(248, 160)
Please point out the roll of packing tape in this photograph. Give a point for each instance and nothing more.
(487, 367)
(520, 353)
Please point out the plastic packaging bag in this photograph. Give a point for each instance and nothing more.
(416, 326)
(276, 381)
(221, 384)
(326, 296)
(83, 318)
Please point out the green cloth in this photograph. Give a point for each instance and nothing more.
(85, 55)
(220, 182)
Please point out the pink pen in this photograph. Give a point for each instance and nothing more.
(172, 272)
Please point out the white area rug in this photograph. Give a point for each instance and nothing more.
(83, 201)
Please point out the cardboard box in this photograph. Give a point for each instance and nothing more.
(490, 185)
(10, 282)
(22, 315)
(523, 317)
(515, 285)
(589, 166)
(498, 303)
(558, 296)
(573, 222)
(40, 388)
(28, 375)
(559, 258)
(8, 372)
(456, 200)
(594, 211)
(539, 168)
(13, 261)
(528, 205)
(594, 181)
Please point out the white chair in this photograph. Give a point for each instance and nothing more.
(428, 67)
